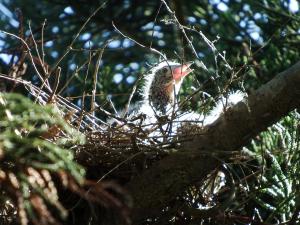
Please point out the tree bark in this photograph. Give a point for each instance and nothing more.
(168, 178)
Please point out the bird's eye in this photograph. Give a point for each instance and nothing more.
(165, 70)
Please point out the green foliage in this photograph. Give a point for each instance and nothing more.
(276, 188)
(29, 161)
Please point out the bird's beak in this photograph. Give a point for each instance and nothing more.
(181, 71)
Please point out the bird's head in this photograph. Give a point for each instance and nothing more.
(164, 83)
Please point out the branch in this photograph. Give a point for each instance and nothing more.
(155, 187)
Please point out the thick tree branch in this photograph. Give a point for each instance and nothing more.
(166, 179)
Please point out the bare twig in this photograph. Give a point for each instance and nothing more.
(154, 23)
(69, 48)
(31, 57)
(181, 27)
(153, 50)
(56, 83)
(42, 44)
(95, 78)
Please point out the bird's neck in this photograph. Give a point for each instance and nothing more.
(159, 95)
(160, 100)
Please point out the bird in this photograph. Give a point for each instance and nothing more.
(159, 107)
(162, 87)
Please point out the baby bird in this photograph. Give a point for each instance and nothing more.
(158, 113)
(162, 86)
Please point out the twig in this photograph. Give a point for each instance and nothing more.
(154, 22)
(95, 78)
(153, 50)
(56, 83)
(181, 27)
(31, 57)
(69, 48)
(37, 51)
(210, 44)
(61, 103)
(43, 52)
